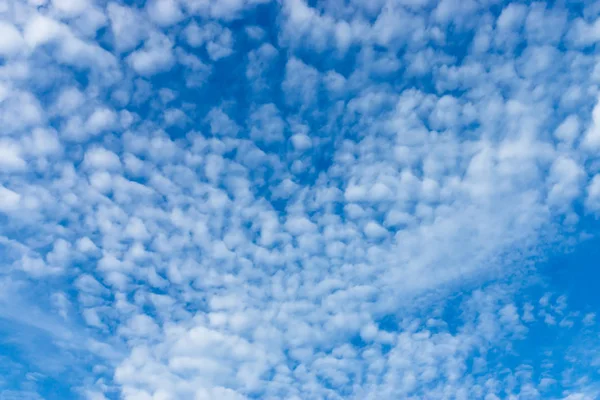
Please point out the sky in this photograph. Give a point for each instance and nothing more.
(299, 199)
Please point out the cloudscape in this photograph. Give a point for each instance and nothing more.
(299, 199)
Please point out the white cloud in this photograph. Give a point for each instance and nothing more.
(156, 56)
(71, 7)
(512, 17)
(9, 200)
(136, 229)
(127, 26)
(11, 40)
(221, 124)
(592, 201)
(85, 245)
(374, 230)
(218, 40)
(100, 158)
(301, 142)
(100, 120)
(565, 181)
(164, 12)
(43, 142)
(569, 129)
(221, 46)
(591, 139)
(266, 124)
(301, 83)
(40, 30)
(583, 33)
(299, 225)
(589, 319)
(140, 325)
(69, 100)
(20, 110)
(36, 267)
(11, 156)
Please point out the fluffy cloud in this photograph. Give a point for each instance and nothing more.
(12, 40)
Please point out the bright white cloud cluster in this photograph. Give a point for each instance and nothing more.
(237, 199)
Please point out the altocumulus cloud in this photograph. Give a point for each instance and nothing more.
(293, 199)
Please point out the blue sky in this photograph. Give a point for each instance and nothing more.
(254, 199)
